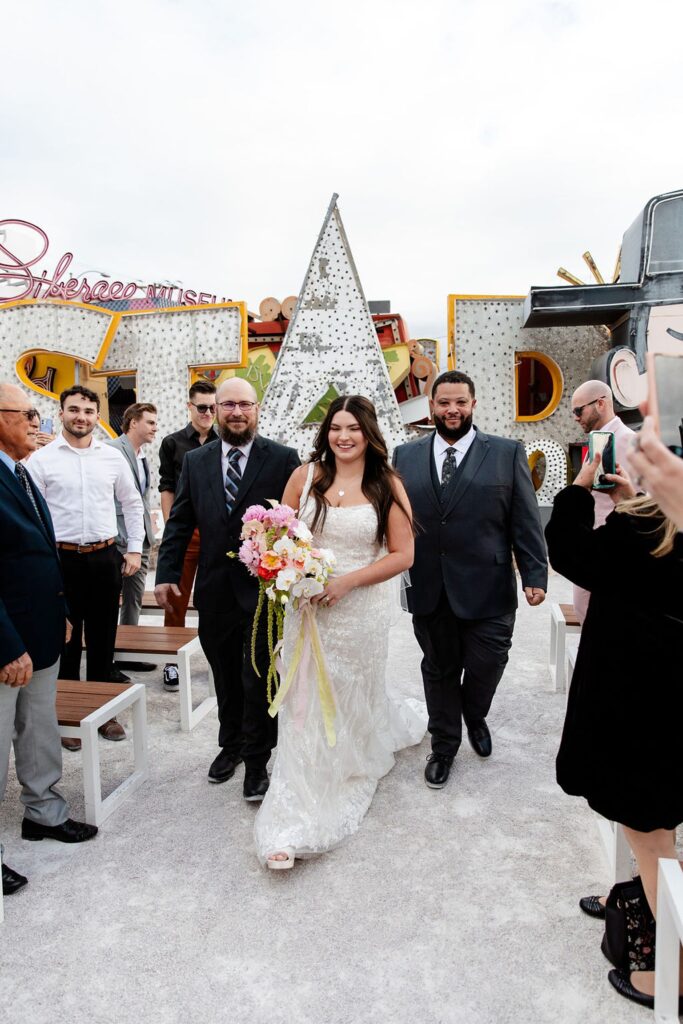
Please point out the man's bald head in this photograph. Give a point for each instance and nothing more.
(18, 434)
(237, 423)
(594, 399)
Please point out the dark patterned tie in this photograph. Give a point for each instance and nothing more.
(22, 476)
(232, 478)
(448, 468)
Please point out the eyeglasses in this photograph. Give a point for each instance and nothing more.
(231, 406)
(30, 414)
(579, 409)
(203, 409)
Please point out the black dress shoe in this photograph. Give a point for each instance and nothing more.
(437, 771)
(12, 881)
(256, 784)
(223, 767)
(592, 906)
(621, 981)
(69, 831)
(135, 666)
(118, 677)
(480, 738)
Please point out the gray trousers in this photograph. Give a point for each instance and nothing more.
(28, 716)
(132, 591)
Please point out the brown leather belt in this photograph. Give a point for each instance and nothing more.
(85, 549)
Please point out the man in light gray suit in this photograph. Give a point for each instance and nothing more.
(474, 505)
(139, 428)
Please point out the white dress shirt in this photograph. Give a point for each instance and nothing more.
(79, 486)
(461, 446)
(244, 450)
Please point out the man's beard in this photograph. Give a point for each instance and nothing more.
(78, 431)
(452, 433)
(237, 438)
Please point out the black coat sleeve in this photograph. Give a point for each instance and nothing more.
(177, 532)
(166, 465)
(577, 551)
(526, 531)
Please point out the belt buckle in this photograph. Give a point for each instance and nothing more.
(82, 549)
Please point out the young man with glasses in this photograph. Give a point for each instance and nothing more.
(593, 409)
(201, 407)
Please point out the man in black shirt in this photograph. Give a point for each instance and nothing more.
(202, 409)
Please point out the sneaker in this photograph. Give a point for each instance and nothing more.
(171, 678)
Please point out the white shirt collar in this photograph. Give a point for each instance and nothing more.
(461, 445)
(62, 442)
(244, 448)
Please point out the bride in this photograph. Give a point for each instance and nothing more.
(356, 506)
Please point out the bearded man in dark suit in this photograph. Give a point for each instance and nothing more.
(217, 483)
(474, 505)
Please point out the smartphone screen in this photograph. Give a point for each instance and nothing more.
(667, 407)
(601, 442)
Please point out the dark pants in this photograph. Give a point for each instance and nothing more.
(463, 662)
(92, 584)
(245, 727)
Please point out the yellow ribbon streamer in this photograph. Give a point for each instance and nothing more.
(308, 632)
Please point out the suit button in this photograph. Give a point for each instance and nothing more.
(443, 522)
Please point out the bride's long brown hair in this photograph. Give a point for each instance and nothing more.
(378, 475)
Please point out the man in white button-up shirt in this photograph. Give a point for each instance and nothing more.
(80, 477)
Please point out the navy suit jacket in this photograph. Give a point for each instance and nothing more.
(465, 542)
(32, 603)
(222, 583)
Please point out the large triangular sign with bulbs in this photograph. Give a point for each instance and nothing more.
(331, 347)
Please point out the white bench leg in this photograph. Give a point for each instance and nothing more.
(558, 638)
(669, 937)
(190, 717)
(617, 850)
(92, 784)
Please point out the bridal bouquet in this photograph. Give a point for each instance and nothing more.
(278, 549)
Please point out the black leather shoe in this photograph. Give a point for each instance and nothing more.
(621, 981)
(480, 738)
(118, 677)
(437, 771)
(12, 881)
(256, 784)
(592, 906)
(223, 767)
(69, 831)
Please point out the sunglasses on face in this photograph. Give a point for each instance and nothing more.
(30, 414)
(579, 409)
(203, 409)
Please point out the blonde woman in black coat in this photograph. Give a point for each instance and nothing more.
(620, 746)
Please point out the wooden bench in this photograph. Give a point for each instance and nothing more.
(669, 939)
(563, 621)
(617, 850)
(150, 607)
(81, 708)
(161, 645)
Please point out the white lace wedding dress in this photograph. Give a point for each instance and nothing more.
(318, 794)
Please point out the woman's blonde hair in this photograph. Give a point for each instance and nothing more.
(647, 507)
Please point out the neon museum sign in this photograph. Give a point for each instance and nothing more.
(16, 270)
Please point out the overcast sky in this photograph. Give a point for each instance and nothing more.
(476, 146)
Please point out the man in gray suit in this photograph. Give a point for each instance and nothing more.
(474, 505)
(139, 428)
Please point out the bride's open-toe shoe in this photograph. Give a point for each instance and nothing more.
(281, 865)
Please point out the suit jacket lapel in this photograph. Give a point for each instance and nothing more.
(257, 456)
(424, 466)
(215, 477)
(129, 452)
(467, 471)
(16, 489)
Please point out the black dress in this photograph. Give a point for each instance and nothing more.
(622, 744)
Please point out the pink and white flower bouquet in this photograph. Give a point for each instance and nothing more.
(278, 549)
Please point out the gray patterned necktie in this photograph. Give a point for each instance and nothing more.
(22, 476)
(448, 468)
(232, 478)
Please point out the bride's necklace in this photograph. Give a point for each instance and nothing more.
(341, 491)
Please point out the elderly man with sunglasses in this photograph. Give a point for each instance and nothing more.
(593, 409)
(201, 407)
